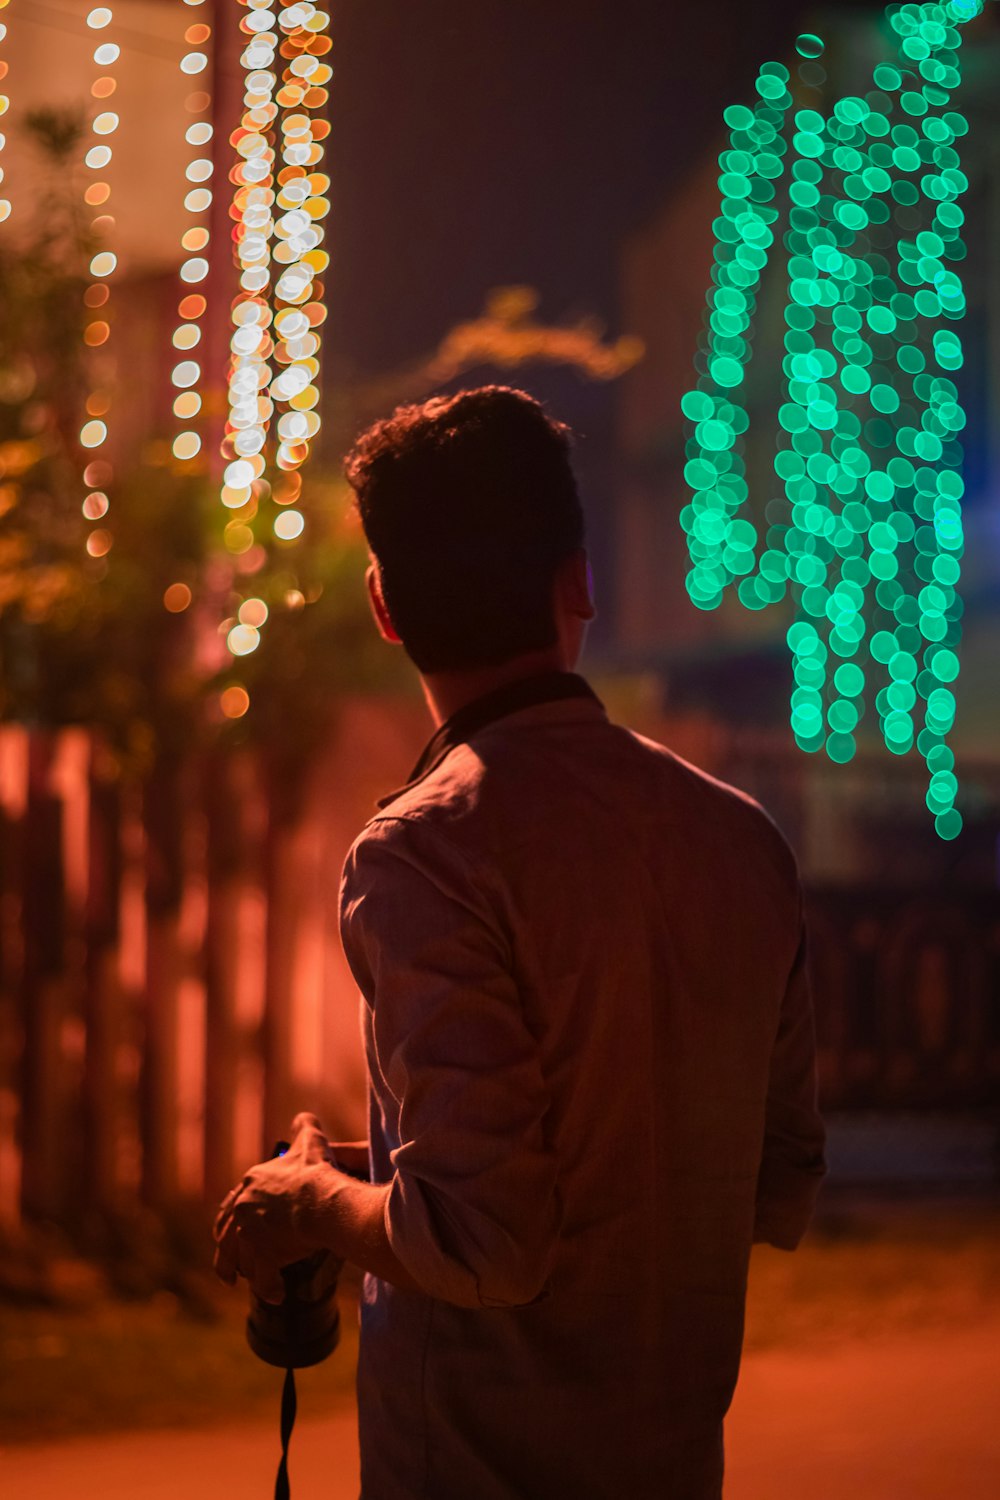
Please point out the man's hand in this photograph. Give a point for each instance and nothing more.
(350, 1157)
(271, 1218)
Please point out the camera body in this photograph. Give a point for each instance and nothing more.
(304, 1327)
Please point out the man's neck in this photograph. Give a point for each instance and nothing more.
(447, 692)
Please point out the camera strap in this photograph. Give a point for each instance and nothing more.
(288, 1409)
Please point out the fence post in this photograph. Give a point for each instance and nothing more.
(163, 818)
(227, 858)
(102, 997)
(43, 1174)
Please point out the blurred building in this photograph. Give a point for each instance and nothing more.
(727, 671)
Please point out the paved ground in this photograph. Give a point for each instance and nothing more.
(901, 1418)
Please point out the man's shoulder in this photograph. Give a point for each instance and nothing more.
(710, 801)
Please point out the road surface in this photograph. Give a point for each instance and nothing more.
(914, 1417)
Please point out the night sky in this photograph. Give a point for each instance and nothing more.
(484, 142)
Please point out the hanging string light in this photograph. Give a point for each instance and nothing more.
(275, 322)
(187, 373)
(249, 369)
(868, 534)
(4, 106)
(298, 292)
(93, 436)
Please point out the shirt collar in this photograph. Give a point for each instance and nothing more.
(526, 692)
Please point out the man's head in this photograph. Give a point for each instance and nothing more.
(471, 513)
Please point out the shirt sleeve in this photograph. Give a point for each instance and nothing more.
(472, 1211)
(792, 1165)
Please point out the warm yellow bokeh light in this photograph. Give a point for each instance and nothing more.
(194, 239)
(187, 405)
(93, 434)
(238, 538)
(253, 612)
(186, 445)
(234, 499)
(289, 525)
(104, 263)
(186, 336)
(243, 639)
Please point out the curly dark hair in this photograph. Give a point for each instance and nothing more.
(469, 504)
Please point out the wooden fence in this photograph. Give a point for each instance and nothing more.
(172, 987)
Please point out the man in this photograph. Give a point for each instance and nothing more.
(586, 1020)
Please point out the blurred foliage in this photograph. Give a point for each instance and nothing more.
(42, 392)
(87, 640)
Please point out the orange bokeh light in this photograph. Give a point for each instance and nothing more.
(192, 307)
(96, 296)
(97, 472)
(234, 702)
(98, 192)
(99, 543)
(177, 598)
(95, 334)
(194, 239)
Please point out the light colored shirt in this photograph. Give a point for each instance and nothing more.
(590, 1045)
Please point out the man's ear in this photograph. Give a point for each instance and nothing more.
(383, 619)
(577, 584)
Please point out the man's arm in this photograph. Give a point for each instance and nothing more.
(472, 1209)
(792, 1166)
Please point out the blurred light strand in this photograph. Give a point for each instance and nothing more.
(278, 208)
(104, 123)
(5, 204)
(868, 534)
(187, 373)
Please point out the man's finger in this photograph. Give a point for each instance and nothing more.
(308, 1137)
(262, 1273)
(225, 1259)
(222, 1270)
(225, 1211)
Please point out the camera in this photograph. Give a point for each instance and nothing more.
(304, 1327)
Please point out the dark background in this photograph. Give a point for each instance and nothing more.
(511, 140)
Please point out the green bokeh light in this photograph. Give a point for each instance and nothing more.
(868, 534)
